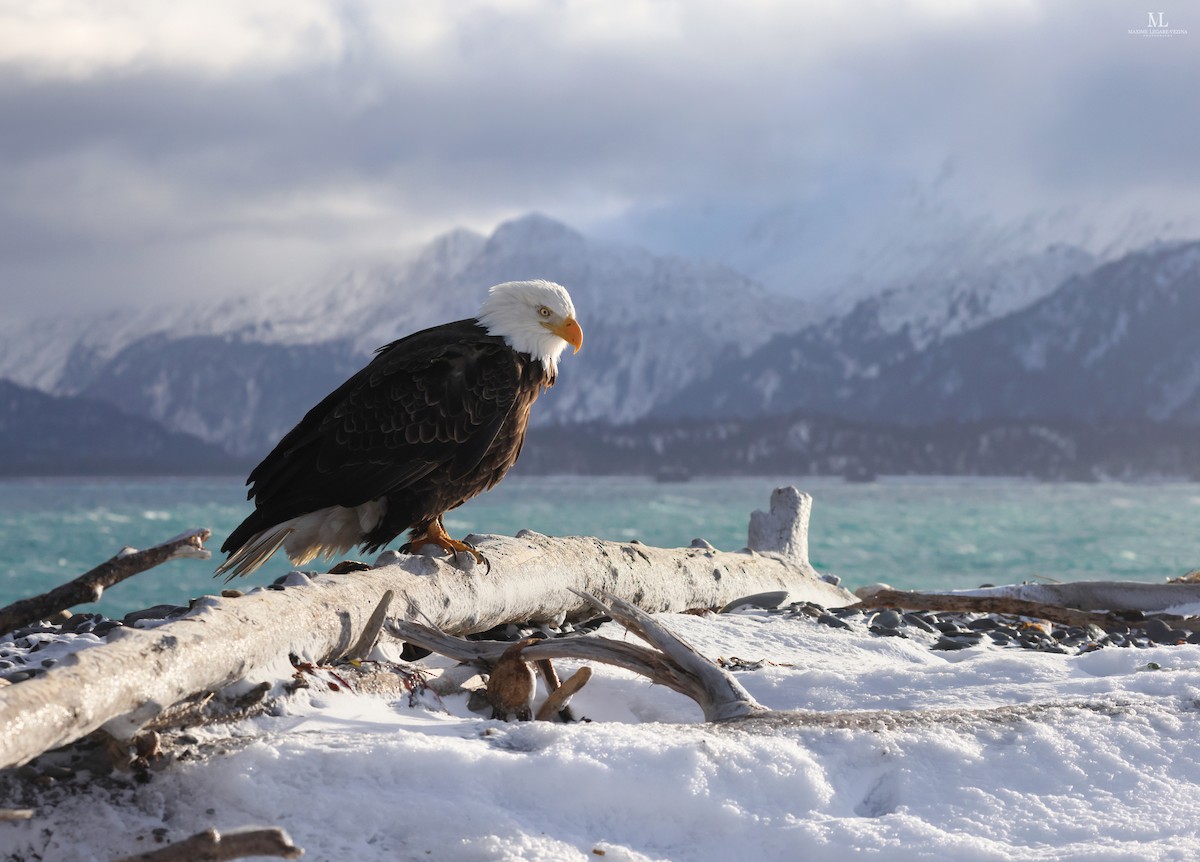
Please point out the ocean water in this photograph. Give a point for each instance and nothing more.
(912, 533)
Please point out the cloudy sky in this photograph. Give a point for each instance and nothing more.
(158, 150)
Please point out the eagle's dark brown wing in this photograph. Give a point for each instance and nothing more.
(433, 401)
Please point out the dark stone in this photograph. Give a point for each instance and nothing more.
(1159, 631)
(948, 643)
(79, 621)
(919, 621)
(105, 627)
(411, 652)
(967, 634)
(766, 601)
(158, 612)
(833, 621)
(983, 624)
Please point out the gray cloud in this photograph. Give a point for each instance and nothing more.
(260, 150)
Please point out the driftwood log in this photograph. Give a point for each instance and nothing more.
(90, 586)
(1106, 604)
(124, 683)
(214, 846)
(669, 660)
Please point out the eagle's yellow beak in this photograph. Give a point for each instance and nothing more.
(569, 331)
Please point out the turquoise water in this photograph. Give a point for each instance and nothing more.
(912, 533)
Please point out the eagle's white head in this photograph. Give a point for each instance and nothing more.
(534, 317)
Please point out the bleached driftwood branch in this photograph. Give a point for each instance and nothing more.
(213, 846)
(958, 603)
(671, 661)
(90, 586)
(1083, 603)
(126, 682)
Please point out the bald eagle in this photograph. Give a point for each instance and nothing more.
(435, 419)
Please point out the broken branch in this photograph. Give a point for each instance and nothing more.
(211, 846)
(90, 586)
(998, 602)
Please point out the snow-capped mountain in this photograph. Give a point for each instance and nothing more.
(1117, 343)
(240, 373)
(364, 306)
(845, 236)
(652, 325)
(821, 366)
(1114, 343)
(1045, 336)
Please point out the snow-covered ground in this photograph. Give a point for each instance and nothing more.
(1110, 770)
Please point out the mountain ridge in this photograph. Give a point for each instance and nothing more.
(43, 434)
(666, 338)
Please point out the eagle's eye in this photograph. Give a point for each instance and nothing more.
(543, 311)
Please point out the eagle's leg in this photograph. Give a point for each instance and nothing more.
(435, 534)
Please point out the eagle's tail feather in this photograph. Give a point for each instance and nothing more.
(256, 551)
(330, 531)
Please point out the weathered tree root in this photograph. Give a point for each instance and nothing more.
(672, 662)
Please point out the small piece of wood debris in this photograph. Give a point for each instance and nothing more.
(213, 846)
(512, 684)
(556, 703)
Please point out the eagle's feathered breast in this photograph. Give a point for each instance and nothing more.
(435, 419)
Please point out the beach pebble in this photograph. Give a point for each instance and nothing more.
(105, 627)
(946, 642)
(1159, 631)
(766, 601)
(157, 612)
(919, 621)
(983, 624)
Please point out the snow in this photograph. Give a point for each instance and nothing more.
(934, 309)
(364, 778)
